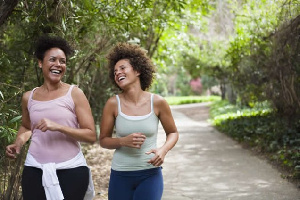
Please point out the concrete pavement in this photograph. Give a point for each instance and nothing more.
(206, 164)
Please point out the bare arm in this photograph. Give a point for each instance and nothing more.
(168, 124)
(107, 126)
(86, 131)
(24, 132)
(163, 111)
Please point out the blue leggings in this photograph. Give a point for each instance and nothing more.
(136, 185)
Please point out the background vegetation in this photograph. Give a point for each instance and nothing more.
(177, 100)
(247, 51)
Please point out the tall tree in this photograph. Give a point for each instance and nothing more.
(6, 8)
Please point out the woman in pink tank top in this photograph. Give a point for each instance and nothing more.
(56, 116)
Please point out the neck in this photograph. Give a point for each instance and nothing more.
(51, 87)
(133, 96)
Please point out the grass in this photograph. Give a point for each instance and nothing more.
(177, 100)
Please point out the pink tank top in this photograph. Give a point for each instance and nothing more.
(53, 146)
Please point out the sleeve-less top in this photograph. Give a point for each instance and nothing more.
(53, 146)
(131, 159)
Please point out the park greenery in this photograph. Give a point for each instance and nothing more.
(249, 49)
(178, 100)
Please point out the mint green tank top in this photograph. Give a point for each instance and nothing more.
(132, 159)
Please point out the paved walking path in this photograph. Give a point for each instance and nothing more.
(208, 165)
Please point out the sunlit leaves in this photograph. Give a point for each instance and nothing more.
(252, 46)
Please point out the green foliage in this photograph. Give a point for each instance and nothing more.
(178, 52)
(182, 84)
(250, 46)
(10, 171)
(208, 82)
(10, 116)
(261, 127)
(177, 100)
(263, 62)
(91, 27)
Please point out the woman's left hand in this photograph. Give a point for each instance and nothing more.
(159, 157)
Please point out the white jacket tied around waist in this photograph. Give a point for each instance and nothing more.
(50, 180)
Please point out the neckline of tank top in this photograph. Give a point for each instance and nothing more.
(51, 99)
(134, 116)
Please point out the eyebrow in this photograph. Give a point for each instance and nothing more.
(56, 57)
(119, 67)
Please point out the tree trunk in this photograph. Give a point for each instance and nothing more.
(223, 90)
(6, 8)
(231, 95)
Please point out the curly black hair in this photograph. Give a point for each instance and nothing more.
(45, 42)
(138, 59)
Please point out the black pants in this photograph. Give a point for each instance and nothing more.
(73, 183)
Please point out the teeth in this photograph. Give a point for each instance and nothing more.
(121, 78)
(56, 71)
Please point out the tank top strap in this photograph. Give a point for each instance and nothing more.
(70, 90)
(31, 93)
(119, 104)
(29, 103)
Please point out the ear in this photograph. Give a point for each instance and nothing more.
(137, 73)
(40, 63)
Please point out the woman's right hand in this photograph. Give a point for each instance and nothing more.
(23, 136)
(134, 140)
(12, 150)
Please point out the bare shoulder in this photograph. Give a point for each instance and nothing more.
(112, 102)
(77, 91)
(79, 97)
(78, 94)
(25, 99)
(159, 100)
(26, 95)
(111, 107)
(160, 105)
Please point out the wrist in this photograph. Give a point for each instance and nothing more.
(19, 142)
(165, 149)
(121, 142)
(60, 128)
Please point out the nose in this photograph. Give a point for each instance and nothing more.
(57, 62)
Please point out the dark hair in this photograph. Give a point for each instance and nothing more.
(45, 42)
(138, 59)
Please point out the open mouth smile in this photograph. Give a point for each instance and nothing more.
(121, 78)
(55, 71)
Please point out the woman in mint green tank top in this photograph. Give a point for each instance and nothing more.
(134, 114)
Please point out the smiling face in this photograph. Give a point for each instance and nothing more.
(53, 64)
(124, 73)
